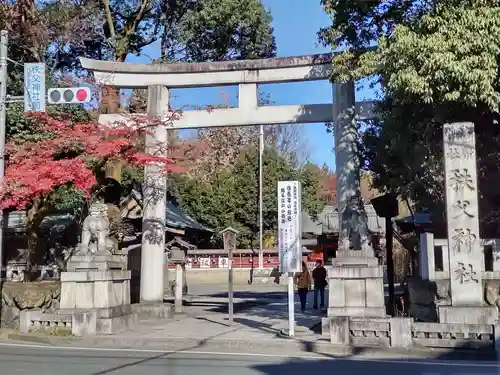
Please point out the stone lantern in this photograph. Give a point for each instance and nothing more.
(177, 253)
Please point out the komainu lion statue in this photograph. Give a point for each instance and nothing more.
(95, 231)
(492, 294)
(356, 235)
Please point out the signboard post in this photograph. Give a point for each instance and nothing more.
(229, 238)
(34, 87)
(290, 239)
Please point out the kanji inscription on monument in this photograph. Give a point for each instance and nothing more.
(461, 208)
(465, 273)
(461, 179)
(463, 240)
(457, 153)
(466, 258)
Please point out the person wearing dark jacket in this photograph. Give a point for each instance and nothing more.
(319, 276)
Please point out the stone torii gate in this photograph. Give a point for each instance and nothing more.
(159, 78)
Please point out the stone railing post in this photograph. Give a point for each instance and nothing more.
(427, 267)
(400, 328)
(339, 330)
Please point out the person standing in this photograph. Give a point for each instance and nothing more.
(319, 276)
(303, 282)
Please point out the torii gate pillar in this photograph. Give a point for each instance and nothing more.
(154, 200)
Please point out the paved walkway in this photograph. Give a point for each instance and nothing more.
(261, 314)
(204, 327)
(207, 319)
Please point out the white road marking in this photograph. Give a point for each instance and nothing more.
(265, 355)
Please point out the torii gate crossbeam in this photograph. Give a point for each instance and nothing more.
(247, 74)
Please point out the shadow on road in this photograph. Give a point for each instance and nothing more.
(221, 307)
(261, 310)
(457, 361)
(127, 365)
(268, 295)
(328, 366)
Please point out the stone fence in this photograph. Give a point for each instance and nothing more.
(435, 264)
(403, 333)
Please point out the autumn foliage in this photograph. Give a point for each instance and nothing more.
(68, 154)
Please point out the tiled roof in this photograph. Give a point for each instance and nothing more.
(175, 217)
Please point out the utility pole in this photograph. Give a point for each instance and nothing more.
(3, 121)
(261, 187)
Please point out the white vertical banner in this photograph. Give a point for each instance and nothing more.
(34, 87)
(289, 226)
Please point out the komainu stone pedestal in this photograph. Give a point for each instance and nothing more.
(356, 286)
(96, 262)
(98, 283)
(468, 314)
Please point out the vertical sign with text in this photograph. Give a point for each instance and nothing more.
(289, 226)
(465, 253)
(34, 87)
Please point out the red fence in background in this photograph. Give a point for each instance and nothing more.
(205, 261)
(240, 260)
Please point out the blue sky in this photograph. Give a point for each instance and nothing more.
(296, 23)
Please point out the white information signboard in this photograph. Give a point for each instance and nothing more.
(34, 87)
(289, 226)
(223, 262)
(204, 262)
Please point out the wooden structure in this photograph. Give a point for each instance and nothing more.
(178, 224)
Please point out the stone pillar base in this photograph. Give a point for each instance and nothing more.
(339, 330)
(354, 258)
(95, 292)
(356, 287)
(113, 320)
(79, 263)
(94, 289)
(468, 314)
(158, 311)
(400, 332)
(361, 312)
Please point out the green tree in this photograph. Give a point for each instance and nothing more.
(231, 198)
(436, 62)
(192, 31)
(58, 32)
(20, 127)
(216, 30)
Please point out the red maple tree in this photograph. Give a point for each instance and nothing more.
(35, 169)
(68, 154)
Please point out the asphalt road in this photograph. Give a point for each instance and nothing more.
(38, 360)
